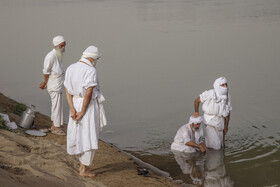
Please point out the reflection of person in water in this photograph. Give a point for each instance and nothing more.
(189, 137)
(191, 163)
(215, 171)
(209, 172)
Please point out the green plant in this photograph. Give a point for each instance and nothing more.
(19, 109)
(3, 124)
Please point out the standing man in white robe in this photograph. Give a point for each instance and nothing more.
(188, 138)
(216, 107)
(53, 81)
(86, 110)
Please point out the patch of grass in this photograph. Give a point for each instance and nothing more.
(19, 109)
(3, 124)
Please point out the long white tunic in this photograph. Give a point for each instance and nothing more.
(184, 135)
(214, 111)
(53, 67)
(85, 135)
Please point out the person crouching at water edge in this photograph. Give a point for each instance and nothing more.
(216, 107)
(53, 81)
(86, 110)
(189, 137)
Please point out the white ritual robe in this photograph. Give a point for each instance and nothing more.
(213, 120)
(84, 136)
(184, 135)
(53, 67)
(86, 158)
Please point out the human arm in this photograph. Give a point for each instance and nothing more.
(200, 146)
(226, 124)
(43, 85)
(196, 107)
(48, 64)
(69, 97)
(86, 102)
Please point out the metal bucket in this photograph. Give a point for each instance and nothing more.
(27, 118)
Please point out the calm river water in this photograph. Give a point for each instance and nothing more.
(158, 56)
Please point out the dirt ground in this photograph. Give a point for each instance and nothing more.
(43, 161)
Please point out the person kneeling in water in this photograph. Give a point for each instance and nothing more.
(189, 137)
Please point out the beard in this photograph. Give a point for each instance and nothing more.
(194, 129)
(94, 63)
(59, 53)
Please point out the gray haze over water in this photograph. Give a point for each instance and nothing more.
(157, 57)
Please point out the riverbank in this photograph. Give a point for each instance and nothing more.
(31, 161)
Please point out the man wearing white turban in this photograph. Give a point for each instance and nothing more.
(87, 115)
(53, 81)
(188, 138)
(216, 107)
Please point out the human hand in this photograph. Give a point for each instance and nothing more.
(79, 115)
(202, 149)
(195, 114)
(225, 131)
(73, 113)
(43, 85)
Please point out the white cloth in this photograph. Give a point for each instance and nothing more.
(196, 120)
(57, 108)
(53, 67)
(9, 124)
(221, 92)
(58, 40)
(184, 135)
(86, 158)
(214, 113)
(84, 136)
(91, 52)
(213, 137)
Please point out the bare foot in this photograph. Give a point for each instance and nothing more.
(87, 173)
(57, 130)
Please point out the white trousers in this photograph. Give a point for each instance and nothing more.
(57, 108)
(213, 137)
(86, 158)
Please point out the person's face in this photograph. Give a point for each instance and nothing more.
(62, 46)
(196, 126)
(224, 85)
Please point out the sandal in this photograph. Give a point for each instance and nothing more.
(58, 132)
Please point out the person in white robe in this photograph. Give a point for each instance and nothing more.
(53, 81)
(189, 137)
(216, 108)
(87, 115)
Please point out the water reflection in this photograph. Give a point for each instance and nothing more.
(204, 170)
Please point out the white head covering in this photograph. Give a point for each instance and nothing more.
(220, 92)
(91, 52)
(58, 40)
(221, 96)
(195, 120)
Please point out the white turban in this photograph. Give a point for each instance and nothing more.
(221, 92)
(91, 52)
(196, 120)
(58, 40)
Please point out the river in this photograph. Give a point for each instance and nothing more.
(157, 57)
